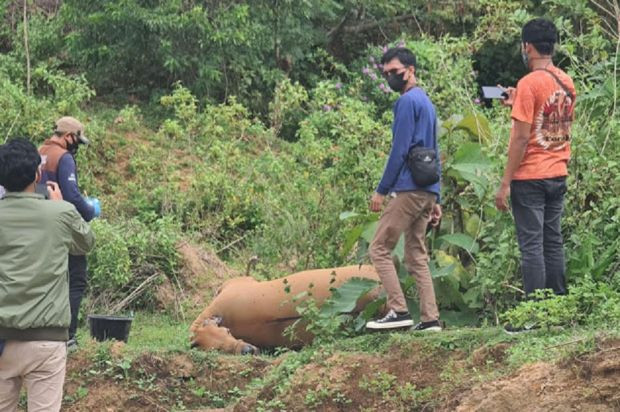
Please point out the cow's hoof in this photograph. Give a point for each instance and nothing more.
(249, 350)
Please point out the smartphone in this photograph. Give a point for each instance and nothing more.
(493, 92)
(41, 188)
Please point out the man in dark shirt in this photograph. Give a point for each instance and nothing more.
(410, 207)
(58, 164)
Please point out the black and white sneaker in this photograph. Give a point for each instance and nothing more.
(432, 326)
(392, 320)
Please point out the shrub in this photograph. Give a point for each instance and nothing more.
(126, 254)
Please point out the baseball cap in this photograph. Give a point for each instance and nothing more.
(72, 125)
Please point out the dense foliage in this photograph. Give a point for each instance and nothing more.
(253, 126)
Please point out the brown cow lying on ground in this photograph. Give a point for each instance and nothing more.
(246, 313)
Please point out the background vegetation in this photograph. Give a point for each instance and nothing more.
(251, 127)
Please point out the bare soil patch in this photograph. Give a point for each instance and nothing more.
(589, 382)
(409, 376)
(157, 382)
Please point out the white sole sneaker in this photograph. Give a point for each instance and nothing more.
(430, 329)
(389, 325)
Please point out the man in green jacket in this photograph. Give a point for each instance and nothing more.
(35, 237)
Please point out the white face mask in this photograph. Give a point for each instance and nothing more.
(525, 57)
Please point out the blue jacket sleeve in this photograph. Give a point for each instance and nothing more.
(402, 132)
(67, 180)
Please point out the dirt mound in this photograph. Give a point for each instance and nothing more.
(404, 378)
(589, 382)
(201, 274)
(409, 376)
(157, 382)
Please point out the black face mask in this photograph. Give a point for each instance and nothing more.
(397, 81)
(73, 148)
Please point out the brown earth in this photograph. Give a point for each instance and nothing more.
(202, 273)
(407, 377)
(586, 383)
(155, 382)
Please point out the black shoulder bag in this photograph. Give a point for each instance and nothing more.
(424, 165)
(423, 162)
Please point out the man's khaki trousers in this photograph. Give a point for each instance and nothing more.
(40, 366)
(408, 213)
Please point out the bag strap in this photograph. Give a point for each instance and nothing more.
(562, 85)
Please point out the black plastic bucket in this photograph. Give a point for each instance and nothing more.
(104, 327)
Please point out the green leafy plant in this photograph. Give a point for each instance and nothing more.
(334, 318)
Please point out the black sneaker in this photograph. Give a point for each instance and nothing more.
(432, 326)
(515, 330)
(392, 320)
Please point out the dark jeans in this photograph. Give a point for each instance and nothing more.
(77, 286)
(537, 207)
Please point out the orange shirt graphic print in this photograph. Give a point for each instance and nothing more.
(552, 125)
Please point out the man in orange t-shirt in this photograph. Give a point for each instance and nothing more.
(539, 150)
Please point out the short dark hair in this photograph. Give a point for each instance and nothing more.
(540, 33)
(19, 161)
(404, 55)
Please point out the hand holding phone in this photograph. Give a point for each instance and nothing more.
(53, 190)
(510, 95)
(494, 92)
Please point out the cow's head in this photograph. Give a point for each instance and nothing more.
(211, 335)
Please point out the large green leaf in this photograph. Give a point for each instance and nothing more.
(348, 215)
(439, 272)
(351, 239)
(369, 231)
(471, 164)
(365, 231)
(344, 298)
(477, 125)
(470, 154)
(461, 240)
(369, 312)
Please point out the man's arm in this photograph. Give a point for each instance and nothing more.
(67, 180)
(520, 135)
(402, 131)
(82, 238)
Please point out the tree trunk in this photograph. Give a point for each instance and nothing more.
(26, 48)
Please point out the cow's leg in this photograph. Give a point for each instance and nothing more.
(206, 314)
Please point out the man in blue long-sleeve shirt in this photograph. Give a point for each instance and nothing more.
(411, 207)
(58, 164)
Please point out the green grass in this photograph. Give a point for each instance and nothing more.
(539, 345)
(151, 332)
